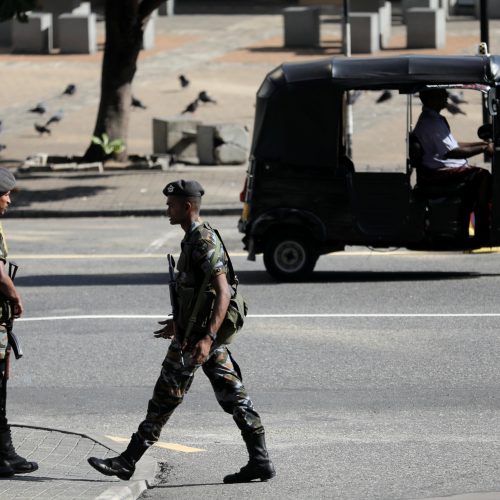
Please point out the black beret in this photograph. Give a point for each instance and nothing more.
(184, 188)
(7, 180)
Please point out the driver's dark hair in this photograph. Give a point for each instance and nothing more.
(426, 95)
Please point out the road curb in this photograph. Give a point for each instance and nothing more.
(47, 214)
(144, 475)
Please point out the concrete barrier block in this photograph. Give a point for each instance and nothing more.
(56, 8)
(176, 136)
(167, 8)
(301, 26)
(84, 8)
(365, 37)
(34, 36)
(225, 143)
(385, 24)
(77, 33)
(148, 38)
(425, 28)
(411, 4)
(6, 33)
(366, 5)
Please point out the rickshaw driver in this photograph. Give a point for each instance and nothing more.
(444, 160)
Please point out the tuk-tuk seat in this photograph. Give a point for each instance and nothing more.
(423, 187)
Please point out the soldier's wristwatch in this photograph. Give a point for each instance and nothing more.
(211, 335)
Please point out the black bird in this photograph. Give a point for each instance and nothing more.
(456, 97)
(42, 129)
(39, 108)
(2, 147)
(70, 89)
(454, 109)
(354, 96)
(184, 81)
(55, 118)
(204, 97)
(1, 126)
(191, 107)
(384, 96)
(137, 104)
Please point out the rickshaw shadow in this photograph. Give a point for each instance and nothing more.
(263, 278)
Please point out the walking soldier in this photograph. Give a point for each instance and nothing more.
(208, 312)
(11, 307)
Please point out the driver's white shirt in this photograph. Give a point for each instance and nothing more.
(436, 139)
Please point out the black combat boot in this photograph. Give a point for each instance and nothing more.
(10, 461)
(259, 466)
(122, 466)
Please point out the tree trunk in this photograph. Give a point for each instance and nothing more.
(124, 31)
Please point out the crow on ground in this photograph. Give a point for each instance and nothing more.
(42, 129)
(136, 103)
(204, 97)
(55, 118)
(70, 89)
(39, 108)
(384, 96)
(191, 107)
(184, 81)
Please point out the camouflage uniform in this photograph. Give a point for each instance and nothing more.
(3, 346)
(178, 368)
(3, 331)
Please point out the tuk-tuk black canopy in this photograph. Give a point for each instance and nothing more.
(299, 104)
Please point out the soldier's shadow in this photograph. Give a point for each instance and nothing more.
(262, 277)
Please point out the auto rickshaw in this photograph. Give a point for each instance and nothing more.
(304, 195)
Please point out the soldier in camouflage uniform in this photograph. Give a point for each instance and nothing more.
(199, 263)
(10, 462)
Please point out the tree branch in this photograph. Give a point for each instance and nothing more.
(146, 7)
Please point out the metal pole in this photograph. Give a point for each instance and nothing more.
(485, 32)
(347, 53)
(485, 38)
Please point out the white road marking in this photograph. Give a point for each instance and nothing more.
(269, 316)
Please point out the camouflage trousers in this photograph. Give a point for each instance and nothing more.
(176, 378)
(3, 380)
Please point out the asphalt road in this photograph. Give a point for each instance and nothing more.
(377, 379)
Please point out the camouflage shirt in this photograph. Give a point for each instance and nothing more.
(3, 245)
(198, 247)
(195, 264)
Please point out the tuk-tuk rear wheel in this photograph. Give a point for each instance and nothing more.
(289, 257)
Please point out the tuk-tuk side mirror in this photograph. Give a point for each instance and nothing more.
(492, 101)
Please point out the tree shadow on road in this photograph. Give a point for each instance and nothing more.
(26, 198)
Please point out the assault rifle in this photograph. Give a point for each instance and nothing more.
(171, 287)
(174, 302)
(9, 318)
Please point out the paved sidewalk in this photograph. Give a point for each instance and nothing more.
(63, 469)
(122, 193)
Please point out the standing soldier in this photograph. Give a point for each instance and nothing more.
(198, 339)
(10, 462)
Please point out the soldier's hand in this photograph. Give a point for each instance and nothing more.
(167, 332)
(17, 308)
(201, 350)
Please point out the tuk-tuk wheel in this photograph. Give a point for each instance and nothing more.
(289, 257)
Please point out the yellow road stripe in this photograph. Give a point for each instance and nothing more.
(160, 444)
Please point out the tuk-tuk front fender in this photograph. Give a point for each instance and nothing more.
(288, 218)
